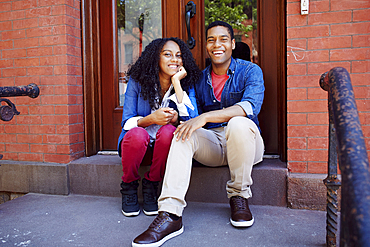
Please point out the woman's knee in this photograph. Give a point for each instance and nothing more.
(165, 133)
(137, 135)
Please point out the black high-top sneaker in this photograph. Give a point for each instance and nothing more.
(150, 197)
(130, 203)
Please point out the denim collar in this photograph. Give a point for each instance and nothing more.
(230, 70)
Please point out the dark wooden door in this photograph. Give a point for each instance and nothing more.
(112, 75)
(272, 60)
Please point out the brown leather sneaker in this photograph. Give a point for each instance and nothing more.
(241, 216)
(162, 229)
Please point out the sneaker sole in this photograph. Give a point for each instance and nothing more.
(150, 213)
(242, 223)
(160, 242)
(130, 214)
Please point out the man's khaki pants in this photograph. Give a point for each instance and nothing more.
(238, 145)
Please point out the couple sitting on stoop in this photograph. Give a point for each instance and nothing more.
(178, 113)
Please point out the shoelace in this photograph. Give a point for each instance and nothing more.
(159, 221)
(150, 194)
(239, 203)
(131, 199)
(149, 197)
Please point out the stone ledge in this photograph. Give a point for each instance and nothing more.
(101, 175)
(269, 184)
(96, 175)
(8, 196)
(307, 191)
(36, 177)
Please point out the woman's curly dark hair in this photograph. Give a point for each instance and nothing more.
(145, 70)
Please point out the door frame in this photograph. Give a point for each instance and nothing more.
(92, 61)
(91, 72)
(272, 39)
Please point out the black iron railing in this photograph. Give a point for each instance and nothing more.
(346, 140)
(8, 110)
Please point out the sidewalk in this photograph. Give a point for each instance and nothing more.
(78, 220)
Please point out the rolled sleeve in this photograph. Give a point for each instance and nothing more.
(131, 123)
(253, 95)
(247, 107)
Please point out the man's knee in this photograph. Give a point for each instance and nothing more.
(237, 123)
(241, 124)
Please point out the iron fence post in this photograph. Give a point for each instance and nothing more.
(331, 182)
(353, 160)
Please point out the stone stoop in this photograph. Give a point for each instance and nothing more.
(308, 191)
(36, 177)
(101, 175)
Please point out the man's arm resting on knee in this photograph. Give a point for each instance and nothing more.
(184, 130)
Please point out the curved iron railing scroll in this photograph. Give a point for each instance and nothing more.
(8, 110)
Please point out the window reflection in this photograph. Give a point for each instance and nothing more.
(139, 22)
(242, 16)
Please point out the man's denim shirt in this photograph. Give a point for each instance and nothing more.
(244, 87)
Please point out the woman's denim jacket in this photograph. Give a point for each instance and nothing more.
(244, 87)
(135, 105)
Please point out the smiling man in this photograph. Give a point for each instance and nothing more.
(229, 97)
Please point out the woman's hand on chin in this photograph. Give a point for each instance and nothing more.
(180, 74)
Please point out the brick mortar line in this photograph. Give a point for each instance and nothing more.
(329, 11)
(305, 125)
(329, 49)
(52, 35)
(321, 74)
(40, 66)
(44, 6)
(36, 17)
(333, 36)
(324, 25)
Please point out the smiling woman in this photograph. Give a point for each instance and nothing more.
(160, 93)
(169, 63)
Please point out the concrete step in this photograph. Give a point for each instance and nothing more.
(80, 220)
(37, 177)
(101, 175)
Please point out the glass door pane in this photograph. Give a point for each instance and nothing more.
(139, 22)
(242, 16)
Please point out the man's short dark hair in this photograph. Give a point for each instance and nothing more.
(221, 23)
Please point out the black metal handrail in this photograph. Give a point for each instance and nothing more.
(8, 111)
(345, 131)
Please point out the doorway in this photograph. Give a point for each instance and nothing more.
(108, 40)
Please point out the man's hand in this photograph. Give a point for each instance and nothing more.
(185, 129)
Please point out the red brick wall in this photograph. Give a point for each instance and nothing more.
(40, 42)
(334, 33)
